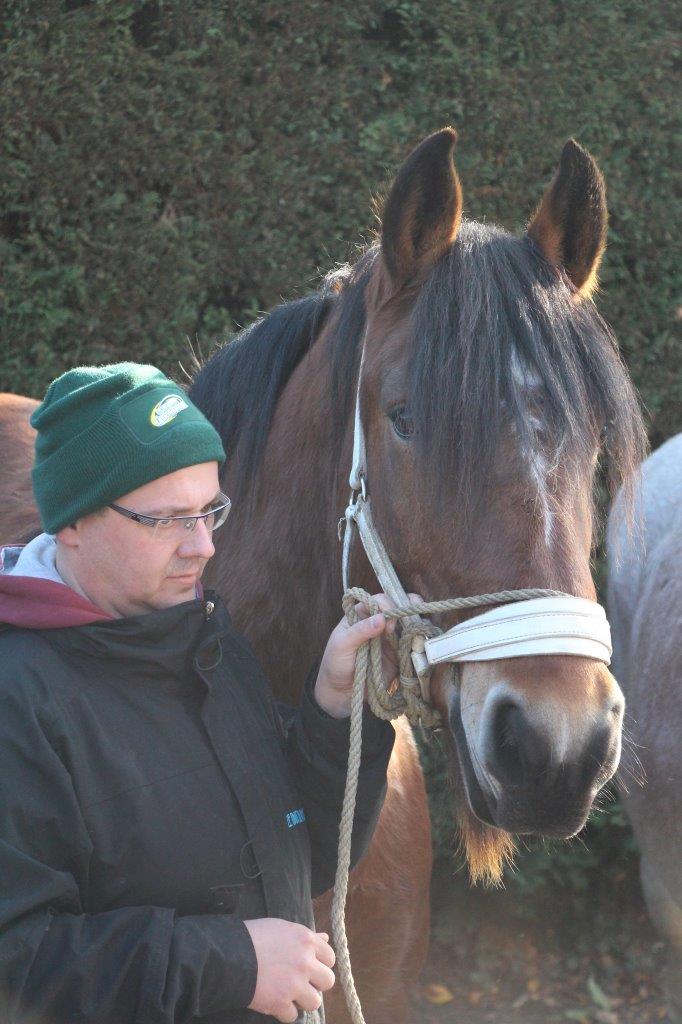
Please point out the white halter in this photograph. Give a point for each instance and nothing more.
(561, 624)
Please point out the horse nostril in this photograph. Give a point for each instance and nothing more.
(596, 756)
(517, 752)
(507, 727)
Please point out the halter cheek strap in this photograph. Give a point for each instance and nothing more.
(358, 470)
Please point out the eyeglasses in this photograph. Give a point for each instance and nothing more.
(176, 527)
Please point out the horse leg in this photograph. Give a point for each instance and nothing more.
(664, 901)
(387, 914)
(654, 811)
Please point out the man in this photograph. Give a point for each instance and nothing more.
(162, 821)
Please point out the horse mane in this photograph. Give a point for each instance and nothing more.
(238, 387)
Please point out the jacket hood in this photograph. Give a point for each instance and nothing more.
(34, 596)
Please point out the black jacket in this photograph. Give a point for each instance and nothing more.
(152, 797)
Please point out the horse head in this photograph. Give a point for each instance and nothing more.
(489, 388)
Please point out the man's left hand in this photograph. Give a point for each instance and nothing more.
(334, 685)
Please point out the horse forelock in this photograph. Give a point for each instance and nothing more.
(494, 326)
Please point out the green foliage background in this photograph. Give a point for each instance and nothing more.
(168, 169)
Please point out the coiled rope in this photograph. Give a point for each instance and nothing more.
(406, 700)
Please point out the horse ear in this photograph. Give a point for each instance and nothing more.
(570, 223)
(423, 210)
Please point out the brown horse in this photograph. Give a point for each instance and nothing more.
(489, 386)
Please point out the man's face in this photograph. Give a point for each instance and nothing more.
(122, 566)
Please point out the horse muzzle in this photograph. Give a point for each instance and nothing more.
(534, 764)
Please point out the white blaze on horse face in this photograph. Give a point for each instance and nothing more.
(538, 464)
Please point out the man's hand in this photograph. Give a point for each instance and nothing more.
(334, 684)
(294, 967)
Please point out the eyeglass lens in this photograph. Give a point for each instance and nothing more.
(177, 528)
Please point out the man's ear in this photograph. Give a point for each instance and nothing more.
(570, 223)
(423, 210)
(69, 536)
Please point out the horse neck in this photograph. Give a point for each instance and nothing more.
(279, 566)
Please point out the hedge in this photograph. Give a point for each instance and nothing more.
(170, 169)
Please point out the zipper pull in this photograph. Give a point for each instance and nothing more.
(209, 609)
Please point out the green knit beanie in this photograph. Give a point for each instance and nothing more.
(105, 430)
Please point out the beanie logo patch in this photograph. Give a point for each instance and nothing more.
(171, 411)
(166, 410)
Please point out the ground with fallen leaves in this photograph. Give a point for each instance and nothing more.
(548, 958)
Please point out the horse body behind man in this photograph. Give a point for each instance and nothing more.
(18, 515)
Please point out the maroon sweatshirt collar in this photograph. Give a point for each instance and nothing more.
(42, 604)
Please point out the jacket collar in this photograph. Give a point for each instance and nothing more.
(159, 643)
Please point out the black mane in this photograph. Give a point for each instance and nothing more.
(491, 309)
(237, 389)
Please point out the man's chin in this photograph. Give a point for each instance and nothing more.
(178, 589)
(186, 585)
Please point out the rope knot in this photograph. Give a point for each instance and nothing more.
(409, 682)
(406, 698)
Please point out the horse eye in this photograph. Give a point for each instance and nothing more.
(402, 424)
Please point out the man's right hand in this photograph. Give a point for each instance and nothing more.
(294, 967)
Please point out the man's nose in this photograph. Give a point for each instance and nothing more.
(198, 543)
